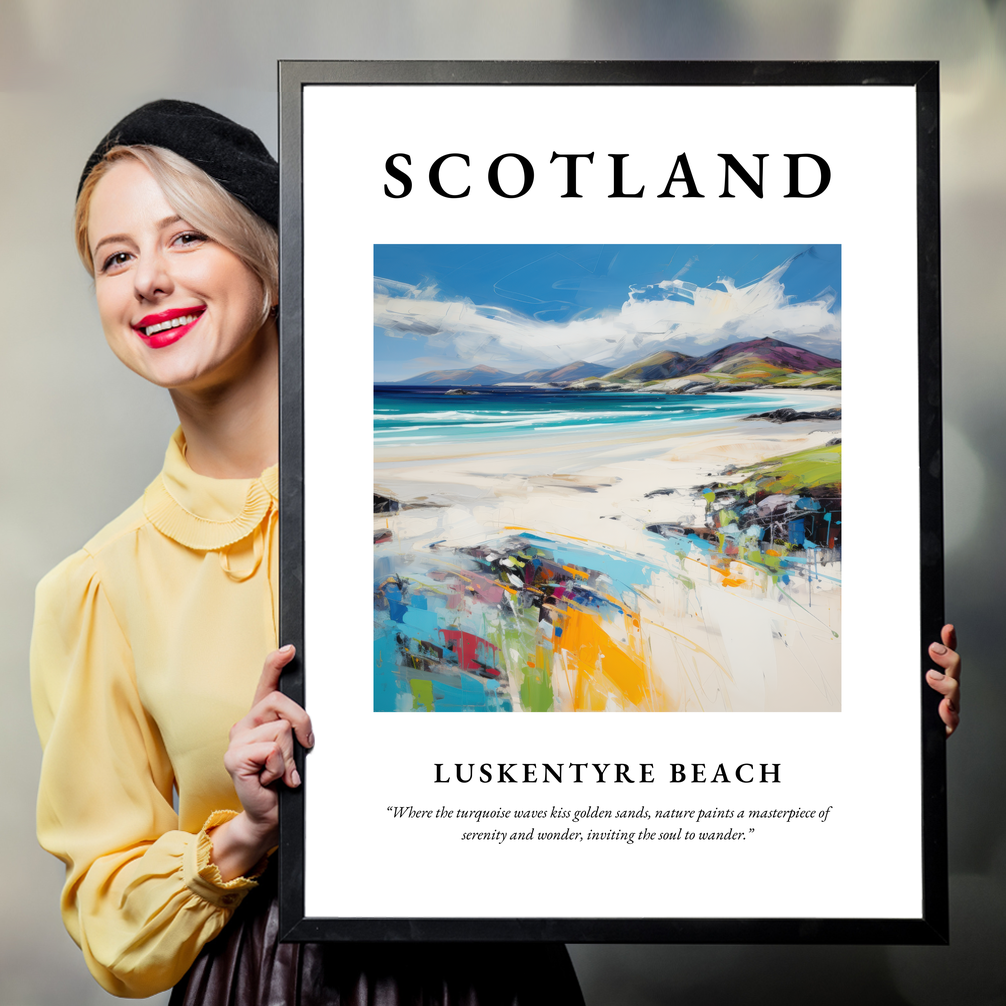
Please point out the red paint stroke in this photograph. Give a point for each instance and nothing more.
(465, 646)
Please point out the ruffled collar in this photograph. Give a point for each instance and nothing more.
(203, 513)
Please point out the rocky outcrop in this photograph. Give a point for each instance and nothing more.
(792, 416)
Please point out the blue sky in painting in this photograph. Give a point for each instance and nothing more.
(517, 307)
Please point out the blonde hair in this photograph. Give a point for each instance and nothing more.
(199, 200)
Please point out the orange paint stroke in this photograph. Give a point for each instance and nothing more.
(602, 665)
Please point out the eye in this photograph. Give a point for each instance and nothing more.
(189, 239)
(115, 261)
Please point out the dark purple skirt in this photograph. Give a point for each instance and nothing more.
(246, 965)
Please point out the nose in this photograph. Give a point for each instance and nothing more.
(152, 276)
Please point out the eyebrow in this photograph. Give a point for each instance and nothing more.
(111, 238)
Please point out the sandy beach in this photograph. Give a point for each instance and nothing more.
(690, 628)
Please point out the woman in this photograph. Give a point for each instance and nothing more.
(148, 643)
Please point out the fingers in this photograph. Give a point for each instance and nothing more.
(271, 670)
(277, 706)
(945, 653)
(262, 761)
(950, 716)
(261, 749)
(265, 751)
(270, 703)
(949, 687)
(948, 660)
(947, 681)
(948, 709)
(949, 636)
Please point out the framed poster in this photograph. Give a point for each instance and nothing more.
(634, 368)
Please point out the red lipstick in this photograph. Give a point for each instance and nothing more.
(166, 327)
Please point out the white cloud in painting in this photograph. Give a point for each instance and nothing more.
(672, 314)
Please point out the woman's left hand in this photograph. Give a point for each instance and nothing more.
(948, 681)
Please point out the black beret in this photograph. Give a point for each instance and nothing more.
(230, 154)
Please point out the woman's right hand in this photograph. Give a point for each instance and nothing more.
(260, 753)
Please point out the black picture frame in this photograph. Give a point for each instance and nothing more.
(931, 927)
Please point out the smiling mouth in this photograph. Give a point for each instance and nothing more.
(185, 319)
(166, 322)
(167, 327)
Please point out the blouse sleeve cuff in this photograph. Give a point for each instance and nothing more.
(202, 876)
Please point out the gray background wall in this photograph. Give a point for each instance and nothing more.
(81, 436)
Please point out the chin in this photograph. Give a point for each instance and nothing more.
(170, 374)
(191, 364)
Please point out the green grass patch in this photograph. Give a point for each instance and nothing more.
(791, 473)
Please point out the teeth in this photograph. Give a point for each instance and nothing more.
(174, 323)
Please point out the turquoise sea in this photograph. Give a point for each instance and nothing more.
(419, 415)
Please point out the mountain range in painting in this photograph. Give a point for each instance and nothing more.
(760, 361)
(483, 375)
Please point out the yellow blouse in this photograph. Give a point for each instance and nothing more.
(147, 647)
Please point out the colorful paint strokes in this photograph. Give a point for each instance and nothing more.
(607, 479)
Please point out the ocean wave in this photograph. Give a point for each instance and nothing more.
(483, 420)
(445, 418)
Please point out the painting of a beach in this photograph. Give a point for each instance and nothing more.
(607, 478)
